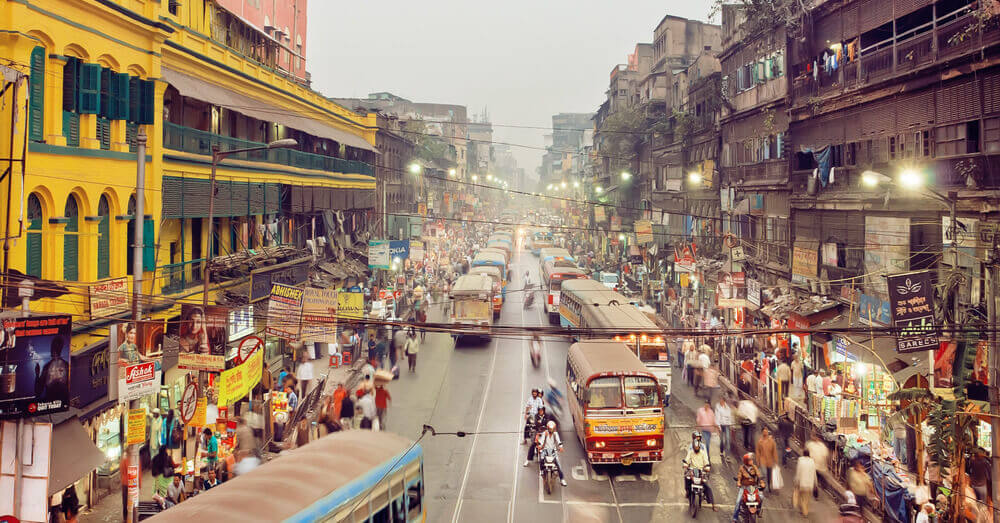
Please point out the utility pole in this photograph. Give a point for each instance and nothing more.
(992, 265)
(137, 248)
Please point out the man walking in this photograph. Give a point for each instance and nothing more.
(411, 348)
(747, 411)
(382, 399)
(767, 454)
(724, 419)
(805, 482)
(705, 419)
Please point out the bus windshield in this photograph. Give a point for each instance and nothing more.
(472, 309)
(604, 393)
(609, 277)
(653, 353)
(641, 392)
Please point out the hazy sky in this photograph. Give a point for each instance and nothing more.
(522, 60)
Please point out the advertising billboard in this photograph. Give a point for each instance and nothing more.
(34, 365)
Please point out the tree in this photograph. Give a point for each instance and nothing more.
(428, 147)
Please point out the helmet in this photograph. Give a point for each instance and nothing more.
(551, 425)
(696, 436)
(748, 458)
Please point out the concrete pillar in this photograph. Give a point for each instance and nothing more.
(54, 101)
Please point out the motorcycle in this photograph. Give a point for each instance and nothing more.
(536, 353)
(750, 508)
(529, 300)
(547, 464)
(696, 494)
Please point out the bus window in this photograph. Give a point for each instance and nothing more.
(641, 392)
(398, 513)
(604, 393)
(414, 493)
(653, 353)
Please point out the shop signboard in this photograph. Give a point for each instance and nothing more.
(200, 412)
(643, 232)
(887, 251)
(88, 377)
(422, 209)
(35, 365)
(109, 297)
(284, 311)
(732, 291)
(241, 322)
(753, 292)
(616, 223)
(203, 336)
(236, 382)
(684, 259)
(416, 251)
(841, 352)
(378, 254)
(319, 315)
(805, 257)
(136, 381)
(912, 304)
(350, 305)
(188, 402)
(399, 249)
(599, 216)
(292, 273)
(829, 254)
(136, 432)
(873, 311)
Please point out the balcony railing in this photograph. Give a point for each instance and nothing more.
(180, 138)
(175, 278)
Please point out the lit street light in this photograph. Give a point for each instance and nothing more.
(598, 189)
(451, 172)
(576, 185)
(489, 177)
(563, 185)
(621, 237)
(911, 179)
(475, 178)
(694, 178)
(415, 168)
(626, 175)
(549, 188)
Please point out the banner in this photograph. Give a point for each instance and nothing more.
(34, 365)
(204, 335)
(887, 251)
(235, 383)
(200, 412)
(350, 305)
(319, 315)
(136, 433)
(399, 249)
(378, 254)
(416, 251)
(284, 311)
(109, 297)
(732, 291)
(599, 214)
(805, 257)
(912, 300)
(643, 232)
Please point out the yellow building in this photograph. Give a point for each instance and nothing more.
(192, 76)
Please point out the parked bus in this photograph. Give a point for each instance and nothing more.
(471, 306)
(554, 253)
(500, 244)
(626, 323)
(499, 289)
(578, 292)
(615, 402)
(540, 239)
(493, 257)
(552, 280)
(349, 476)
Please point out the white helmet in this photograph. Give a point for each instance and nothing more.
(551, 425)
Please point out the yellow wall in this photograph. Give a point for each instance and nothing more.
(134, 44)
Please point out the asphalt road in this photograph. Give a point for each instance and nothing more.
(480, 389)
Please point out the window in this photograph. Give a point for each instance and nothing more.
(604, 393)
(71, 241)
(103, 238)
(641, 392)
(36, 94)
(33, 239)
(414, 496)
(850, 153)
(956, 139)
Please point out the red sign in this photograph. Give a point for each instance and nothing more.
(189, 402)
(247, 347)
(139, 373)
(133, 485)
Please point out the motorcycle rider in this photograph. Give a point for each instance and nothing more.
(554, 398)
(749, 475)
(536, 345)
(550, 440)
(540, 422)
(530, 411)
(698, 459)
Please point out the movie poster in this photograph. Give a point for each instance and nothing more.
(34, 365)
(203, 336)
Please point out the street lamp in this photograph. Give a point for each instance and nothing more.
(621, 237)
(563, 185)
(549, 187)
(475, 178)
(695, 178)
(598, 189)
(626, 175)
(576, 185)
(415, 168)
(451, 172)
(489, 177)
(217, 156)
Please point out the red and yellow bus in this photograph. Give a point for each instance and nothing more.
(616, 403)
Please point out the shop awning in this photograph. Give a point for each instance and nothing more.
(74, 455)
(199, 89)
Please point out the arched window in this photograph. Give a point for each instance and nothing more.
(130, 235)
(33, 265)
(71, 241)
(104, 238)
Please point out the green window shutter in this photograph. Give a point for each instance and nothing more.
(90, 89)
(71, 253)
(104, 247)
(122, 111)
(148, 246)
(71, 128)
(131, 131)
(147, 102)
(104, 132)
(71, 83)
(36, 93)
(108, 104)
(134, 98)
(34, 247)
